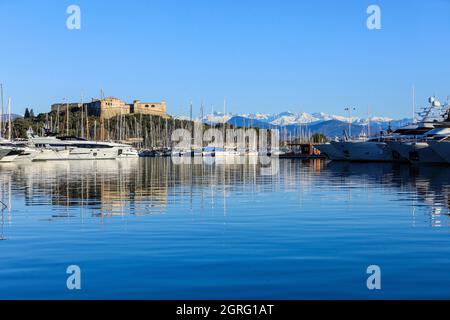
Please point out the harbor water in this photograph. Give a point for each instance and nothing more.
(152, 229)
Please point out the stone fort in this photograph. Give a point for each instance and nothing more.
(110, 107)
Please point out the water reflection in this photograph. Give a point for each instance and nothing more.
(149, 186)
(415, 186)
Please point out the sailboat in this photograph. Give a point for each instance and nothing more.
(10, 151)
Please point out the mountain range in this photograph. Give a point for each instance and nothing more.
(291, 122)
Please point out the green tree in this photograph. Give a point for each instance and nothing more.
(27, 113)
(31, 113)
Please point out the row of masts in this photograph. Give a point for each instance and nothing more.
(147, 132)
(144, 131)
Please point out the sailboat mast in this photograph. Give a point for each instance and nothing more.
(1, 115)
(202, 111)
(9, 119)
(192, 126)
(414, 102)
(67, 118)
(87, 123)
(82, 123)
(224, 120)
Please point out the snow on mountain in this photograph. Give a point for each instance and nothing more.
(291, 118)
(217, 117)
(328, 124)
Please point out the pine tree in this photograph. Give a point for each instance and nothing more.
(31, 113)
(27, 113)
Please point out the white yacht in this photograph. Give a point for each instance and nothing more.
(251, 152)
(380, 148)
(5, 150)
(226, 152)
(19, 151)
(72, 148)
(419, 150)
(181, 153)
(364, 150)
(328, 150)
(219, 152)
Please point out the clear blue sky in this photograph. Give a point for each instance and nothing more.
(266, 56)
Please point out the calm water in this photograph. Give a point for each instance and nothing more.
(148, 229)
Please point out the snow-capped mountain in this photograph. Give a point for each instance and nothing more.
(328, 124)
(291, 118)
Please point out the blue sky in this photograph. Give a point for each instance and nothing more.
(265, 56)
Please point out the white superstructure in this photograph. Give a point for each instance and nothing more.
(72, 148)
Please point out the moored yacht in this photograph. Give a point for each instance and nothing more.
(381, 149)
(364, 150)
(225, 152)
(5, 150)
(419, 150)
(19, 151)
(442, 148)
(328, 150)
(73, 148)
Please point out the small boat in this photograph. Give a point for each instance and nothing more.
(147, 153)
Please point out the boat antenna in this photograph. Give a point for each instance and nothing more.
(1, 115)
(67, 117)
(414, 103)
(9, 119)
(201, 111)
(81, 117)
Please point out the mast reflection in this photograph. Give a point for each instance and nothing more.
(150, 186)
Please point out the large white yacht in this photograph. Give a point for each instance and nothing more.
(73, 148)
(328, 150)
(381, 148)
(18, 151)
(364, 150)
(419, 150)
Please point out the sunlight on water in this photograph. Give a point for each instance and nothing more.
(146, 228)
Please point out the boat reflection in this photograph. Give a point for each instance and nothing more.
(416, 186)
(153, 185)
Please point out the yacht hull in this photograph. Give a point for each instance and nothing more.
(101, 154)
(442, 148)
(51, 155)
(84, 154)
(4, 152)
(330, 151)
(364, 151)
(416, 152)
